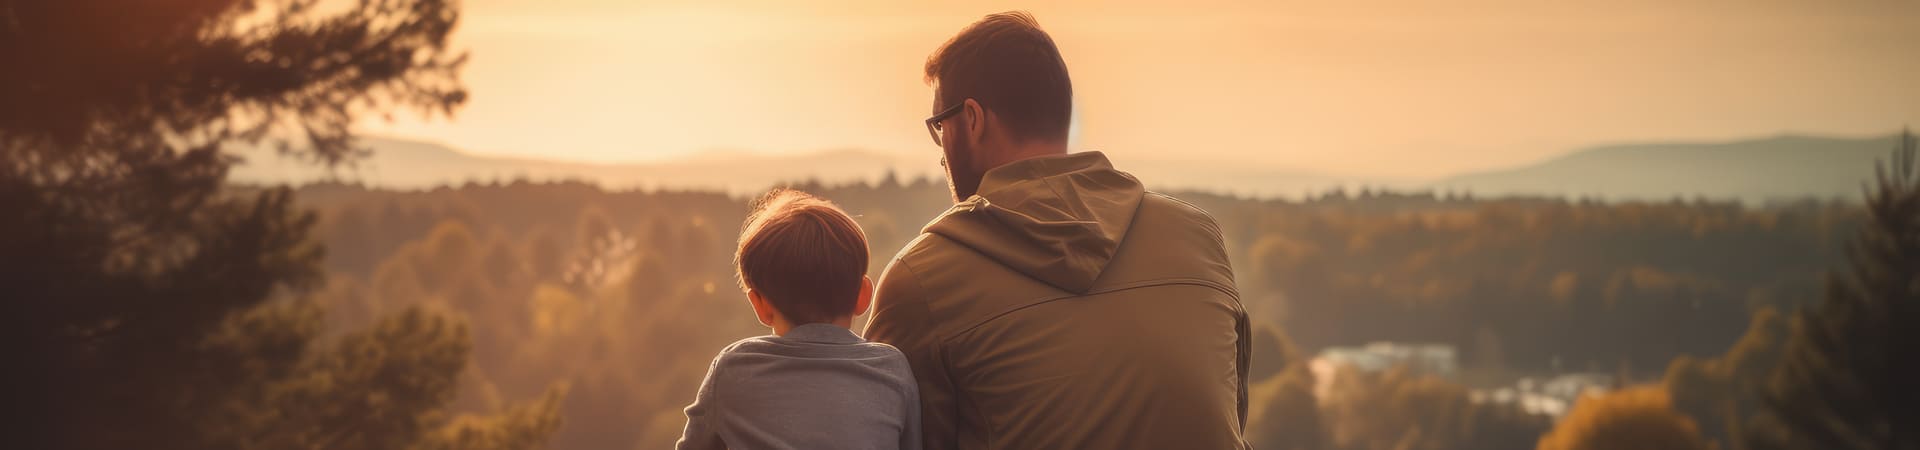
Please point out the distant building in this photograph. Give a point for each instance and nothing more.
(1434, 359)
(1549, 397)
(1431, 359)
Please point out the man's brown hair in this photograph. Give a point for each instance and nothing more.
(1011, 67)
(803, 255)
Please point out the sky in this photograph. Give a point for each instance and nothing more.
(1401, 89)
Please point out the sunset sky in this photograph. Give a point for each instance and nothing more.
(1404, 88)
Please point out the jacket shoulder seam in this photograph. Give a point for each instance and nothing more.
(1189, 205)
(1213, 224)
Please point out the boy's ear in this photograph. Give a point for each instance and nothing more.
(866, 296)
(761, 309)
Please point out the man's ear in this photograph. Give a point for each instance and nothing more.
(865, 300)
(761, 309)
(976, 120)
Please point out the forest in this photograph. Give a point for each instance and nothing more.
(623, 297)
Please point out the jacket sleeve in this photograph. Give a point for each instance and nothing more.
(900, 319)
(703, 417)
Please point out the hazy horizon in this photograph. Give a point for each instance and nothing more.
(1758, 170)
(1382, 88)
(717, 154)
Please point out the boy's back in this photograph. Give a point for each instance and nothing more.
(814, 384)
(819, 386)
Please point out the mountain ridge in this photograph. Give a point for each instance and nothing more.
(1782, 166)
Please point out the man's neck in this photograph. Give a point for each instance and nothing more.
(1029, 149)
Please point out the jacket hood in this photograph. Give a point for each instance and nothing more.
(1058, 219)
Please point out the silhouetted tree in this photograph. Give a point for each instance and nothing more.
(1847, 380)
(139, 290)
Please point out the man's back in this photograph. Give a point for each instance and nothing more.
(1069, 309)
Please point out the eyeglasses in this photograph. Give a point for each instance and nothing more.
(934, 127)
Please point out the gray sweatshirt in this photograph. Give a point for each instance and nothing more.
(818, 387)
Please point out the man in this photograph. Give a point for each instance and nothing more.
(1058, 304)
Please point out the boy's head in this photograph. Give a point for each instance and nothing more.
(804, 259)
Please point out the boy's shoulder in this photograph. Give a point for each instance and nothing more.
(754, 345)
(768, 358)
(880, 346)
(746, 343)
(777, 346)
(883, 350)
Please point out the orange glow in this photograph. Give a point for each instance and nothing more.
(1382, 88)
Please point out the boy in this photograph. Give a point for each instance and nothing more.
(813, 384)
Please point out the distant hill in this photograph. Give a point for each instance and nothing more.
(1783, 167)
(409, 164)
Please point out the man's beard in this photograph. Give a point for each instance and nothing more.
(962, 179)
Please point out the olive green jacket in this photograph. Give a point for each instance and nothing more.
(1064, 306)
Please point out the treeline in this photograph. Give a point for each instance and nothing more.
(1536, 284)
(623, 296)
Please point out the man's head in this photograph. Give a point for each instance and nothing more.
(1005, 95)
(802, 260)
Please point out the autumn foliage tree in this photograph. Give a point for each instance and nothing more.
(1722, 393)
(1402, 409)
(1637, 418)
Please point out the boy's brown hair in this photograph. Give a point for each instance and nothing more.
(803, 255)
